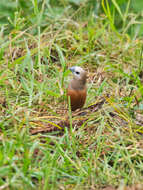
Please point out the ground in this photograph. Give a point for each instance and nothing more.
(43, 144)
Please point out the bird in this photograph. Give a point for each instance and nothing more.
(77, 88)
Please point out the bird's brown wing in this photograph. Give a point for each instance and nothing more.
(77, 98)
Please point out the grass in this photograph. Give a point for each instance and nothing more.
(100, 149)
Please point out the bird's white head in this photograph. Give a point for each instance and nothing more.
(78, 72)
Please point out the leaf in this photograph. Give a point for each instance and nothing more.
(51, 93)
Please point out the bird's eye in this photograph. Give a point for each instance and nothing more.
(77, 72)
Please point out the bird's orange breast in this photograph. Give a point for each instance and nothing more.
(77, 98)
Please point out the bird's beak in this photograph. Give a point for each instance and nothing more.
(72, 69)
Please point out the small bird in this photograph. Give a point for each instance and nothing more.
(77, 88)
